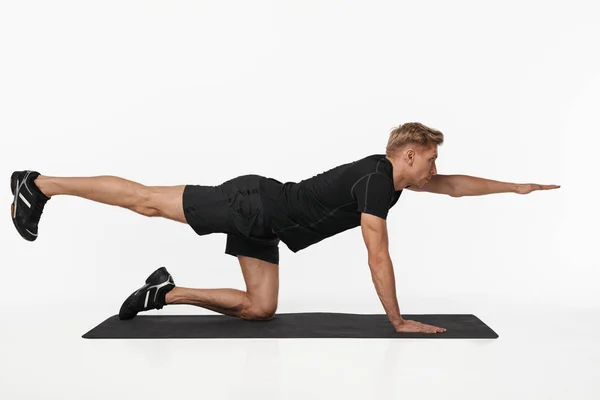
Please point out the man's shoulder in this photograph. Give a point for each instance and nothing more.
(373, 164)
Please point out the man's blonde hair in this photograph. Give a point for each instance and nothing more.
(412, 133)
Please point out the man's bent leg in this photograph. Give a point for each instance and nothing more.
(259, 301)
(152, 201)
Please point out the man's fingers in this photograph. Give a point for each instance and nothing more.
(535, 186)
(432, 329)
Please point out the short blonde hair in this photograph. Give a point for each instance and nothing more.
(413, 132)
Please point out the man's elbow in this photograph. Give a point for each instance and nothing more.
(452, 188)
(441, 184)
(378, 258)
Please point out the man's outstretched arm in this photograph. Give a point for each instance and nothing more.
(465, 185)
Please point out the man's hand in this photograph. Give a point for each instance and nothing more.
(530, 187)
(408, 325)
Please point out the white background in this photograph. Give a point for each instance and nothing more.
(169, 93)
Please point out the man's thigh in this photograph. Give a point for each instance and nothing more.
(168, 201)
(233, 207)
(263, 249)
(207, 209)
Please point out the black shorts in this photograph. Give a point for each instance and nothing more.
(234, 208)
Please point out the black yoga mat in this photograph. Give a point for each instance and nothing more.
(291, 325)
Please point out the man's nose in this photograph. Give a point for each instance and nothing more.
(434, 170)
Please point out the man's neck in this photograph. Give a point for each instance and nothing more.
(400, 181)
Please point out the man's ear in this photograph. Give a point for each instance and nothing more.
(409, 156)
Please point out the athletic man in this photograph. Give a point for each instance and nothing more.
(257, 212)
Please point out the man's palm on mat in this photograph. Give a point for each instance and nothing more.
(408, 325)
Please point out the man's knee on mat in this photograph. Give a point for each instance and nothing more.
(257, 311)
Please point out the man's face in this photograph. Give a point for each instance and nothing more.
(424, 165)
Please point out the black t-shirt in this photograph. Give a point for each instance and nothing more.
(305, 213)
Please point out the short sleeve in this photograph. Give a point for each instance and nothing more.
(374, 194)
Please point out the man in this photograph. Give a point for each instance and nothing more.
(257, 212)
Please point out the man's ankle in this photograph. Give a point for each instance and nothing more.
(43, 183)
(171, 296)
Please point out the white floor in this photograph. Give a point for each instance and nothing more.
(540, 354)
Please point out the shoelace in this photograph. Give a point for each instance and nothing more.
(37, 208)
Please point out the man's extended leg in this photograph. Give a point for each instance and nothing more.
(152, 201)
(259, 301)
(32, 191)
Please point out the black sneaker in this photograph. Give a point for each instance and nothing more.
(150, 296)
(28, 204)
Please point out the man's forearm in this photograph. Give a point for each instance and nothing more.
(465, 185)
(384, 280)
